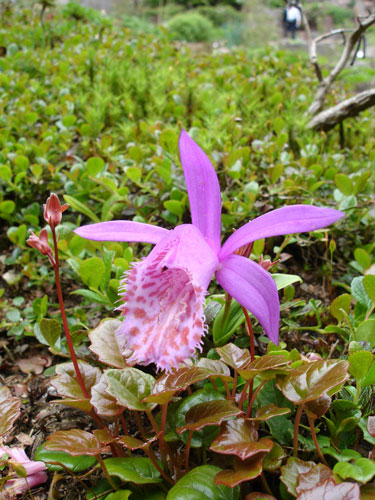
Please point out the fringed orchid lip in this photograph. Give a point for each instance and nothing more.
(164, 297)
(164, 293)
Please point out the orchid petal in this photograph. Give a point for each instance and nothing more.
(122, 230)
(203, 190)
(253, 288)
(164, 296)
(285, 220)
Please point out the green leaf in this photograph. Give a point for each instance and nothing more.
(104, 404)
(360, 363)
(7, 207)
(74, 441)
(22, 162)
(362, 257)
(5, 173)
(175, 207)
(130, 386)
(93, 296)
(80, 207)
(198, 397)
(284, 280)
(51, 330)
(170, 383)
(244, 470)
(359, 293)
(362, 470)
(312, 380)
(342, 302)
(369, 286)
(104, 343)
(78, 463)
(134, 173)
(119, 495)
(9, 410)
(66, 383)
(240, 437)
(344, 184)
(198, 484)
(366, 332)
(91, 271)
(209, 413)
(138, 470)
(69, 120)
(234, 356)
(168, 140)
(94, 165)
(222, 332)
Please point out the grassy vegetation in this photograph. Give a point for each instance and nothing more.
(92, 110)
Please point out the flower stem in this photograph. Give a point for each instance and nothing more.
(313, 434)
(296, 426)
(64, 319)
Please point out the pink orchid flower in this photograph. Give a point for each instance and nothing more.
(164, 293)
(32, 474)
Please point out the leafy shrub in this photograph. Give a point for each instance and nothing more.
(191, 27)
(340, 15)
(137, 24)
(219, 15)
(76, 11)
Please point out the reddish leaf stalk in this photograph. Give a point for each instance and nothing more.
(243, 394)
(140, 426)
(162, 431)
(63, 316)
(296, 426)
(265, 484)
(213, 383)
(234, 384)
(229, 396)
(251, 402)
(124, 425)
(153, 422)
(105, 471)
(152, 457)
(313, 434)
(187, 451)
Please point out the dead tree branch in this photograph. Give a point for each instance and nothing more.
(351, 42)
(327, 119)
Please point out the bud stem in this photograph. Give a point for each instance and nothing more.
(63, 317)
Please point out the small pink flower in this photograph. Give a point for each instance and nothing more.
(53, 210)
(164, 293)
(41, 243)
(34, 472)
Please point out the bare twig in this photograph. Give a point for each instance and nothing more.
(325, 84)
(327, 119)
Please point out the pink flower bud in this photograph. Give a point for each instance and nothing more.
(40, 243)
(53, 210)
(266, 264)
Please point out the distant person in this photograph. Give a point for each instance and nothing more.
(293, 18)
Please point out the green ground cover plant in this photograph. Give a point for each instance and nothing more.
(92, 111)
